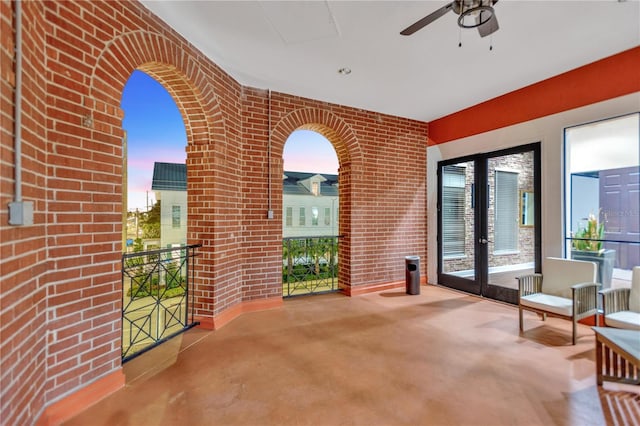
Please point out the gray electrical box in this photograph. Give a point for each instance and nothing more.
(21, 213)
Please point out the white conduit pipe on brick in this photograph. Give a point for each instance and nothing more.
(20, 212)
(17, 146)
(269, 212)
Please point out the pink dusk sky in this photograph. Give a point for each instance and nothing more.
(155, 132)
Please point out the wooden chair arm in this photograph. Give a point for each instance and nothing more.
(529, 284)
(586, 285)
(615, 300)
(585, 298)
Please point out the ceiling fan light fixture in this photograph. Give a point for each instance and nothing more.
(475, 17)
(471, 14)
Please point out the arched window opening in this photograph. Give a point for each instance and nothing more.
(310, 206)
(155, 180)
(155, 265)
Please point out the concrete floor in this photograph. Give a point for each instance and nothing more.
(439, 358)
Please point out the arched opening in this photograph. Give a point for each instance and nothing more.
(310, 205)
(155, 182)
(349, 154)
(155, 272)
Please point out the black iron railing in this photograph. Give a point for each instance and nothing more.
(156, 286)
(309, 265)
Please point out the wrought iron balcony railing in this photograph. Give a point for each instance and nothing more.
(309, 265)
(156, 286)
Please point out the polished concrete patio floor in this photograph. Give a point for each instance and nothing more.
(439, 358)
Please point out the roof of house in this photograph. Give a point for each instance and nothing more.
(292, 184)
(173, 177)
(169, 176)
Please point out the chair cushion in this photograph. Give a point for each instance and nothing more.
(558, 275)
(623, 319)
(634, 296)
(549, 303)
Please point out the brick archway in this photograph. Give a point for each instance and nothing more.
(164, 60)
(347, 148)
(189, 80)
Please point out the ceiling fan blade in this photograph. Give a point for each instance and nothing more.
(489, 27)
(426, 20)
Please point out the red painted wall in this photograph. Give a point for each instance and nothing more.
(608, 78)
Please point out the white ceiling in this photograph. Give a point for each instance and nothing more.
(297, 47)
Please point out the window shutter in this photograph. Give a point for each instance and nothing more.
(453, 210)
(505, 232)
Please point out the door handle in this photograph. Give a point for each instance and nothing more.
(484, 241)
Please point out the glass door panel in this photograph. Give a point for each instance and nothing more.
(488, 221)
(510, 221)
(458, 222)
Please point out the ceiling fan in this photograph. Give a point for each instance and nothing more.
(472, 14)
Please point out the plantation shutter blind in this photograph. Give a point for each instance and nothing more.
(453, 209)
(505, 233)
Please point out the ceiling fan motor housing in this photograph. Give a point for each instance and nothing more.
(459, 6)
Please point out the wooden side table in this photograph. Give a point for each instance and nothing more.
(617, 355)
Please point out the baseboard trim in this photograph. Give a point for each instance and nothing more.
(229, 314)
(73, 404)
(372, 288)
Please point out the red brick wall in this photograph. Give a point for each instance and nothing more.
(382, 184)
(61, 295)
(26, 262)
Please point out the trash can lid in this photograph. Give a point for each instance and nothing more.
(412, 257)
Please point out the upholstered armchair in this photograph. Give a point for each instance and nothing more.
(621, 306)
(567, 288)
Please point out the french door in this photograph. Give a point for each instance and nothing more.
(489, 221)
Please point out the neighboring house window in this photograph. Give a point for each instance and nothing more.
(453, 207)
(315, 188)
(175, 216)
(289, 218)
(327, 216)
(314, 216)
(303, 219)
(506, 213)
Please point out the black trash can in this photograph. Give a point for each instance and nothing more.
(412, 274)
